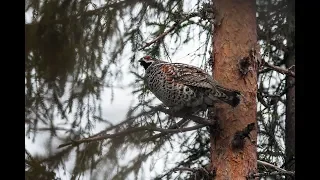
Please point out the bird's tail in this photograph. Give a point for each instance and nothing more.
(231, 97)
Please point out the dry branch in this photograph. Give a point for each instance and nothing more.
(279, 69)
(272, 166)
(161, 35)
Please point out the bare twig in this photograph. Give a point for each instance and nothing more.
(161, 35)
(175, 25)
(129, 131)
(279, 69)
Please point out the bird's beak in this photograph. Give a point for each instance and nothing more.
(140, 60)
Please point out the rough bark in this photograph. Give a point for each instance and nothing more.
(290, 96)
(232, 40)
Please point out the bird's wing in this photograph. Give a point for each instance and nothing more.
(187, 75)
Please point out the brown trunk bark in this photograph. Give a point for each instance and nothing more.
(232, 40)
(290, 96)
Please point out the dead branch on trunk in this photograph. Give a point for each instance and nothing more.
(239, 137)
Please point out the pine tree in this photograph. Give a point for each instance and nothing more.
(233, 149)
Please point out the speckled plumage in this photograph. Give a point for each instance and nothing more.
(181, 86)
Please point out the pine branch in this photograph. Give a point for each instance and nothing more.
(117, 5)
(198, 172)
(173, 27)
(279, 69)
(129, 131)
(160, 108)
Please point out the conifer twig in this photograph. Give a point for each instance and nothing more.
(160, 108)
(175, 25)
(121, 4)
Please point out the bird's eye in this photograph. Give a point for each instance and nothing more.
(147, 57)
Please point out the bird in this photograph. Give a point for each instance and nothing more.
(185, 87)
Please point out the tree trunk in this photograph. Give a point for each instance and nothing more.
(290, 96)
(290, 120)
(232, 40)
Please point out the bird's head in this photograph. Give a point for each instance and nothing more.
(146, 61)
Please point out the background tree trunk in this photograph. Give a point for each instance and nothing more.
(290, 96)
(232, 41)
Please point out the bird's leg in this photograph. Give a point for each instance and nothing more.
(172, 115)
(178, 127)
(178, 112)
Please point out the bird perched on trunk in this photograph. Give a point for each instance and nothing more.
(182, 86)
